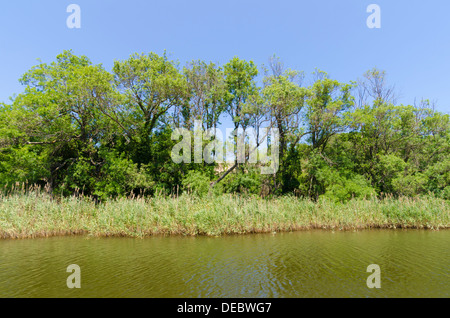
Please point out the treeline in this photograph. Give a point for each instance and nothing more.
(78, 128)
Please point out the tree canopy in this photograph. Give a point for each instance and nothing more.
(79, 127)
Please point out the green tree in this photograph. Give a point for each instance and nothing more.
(59, 116)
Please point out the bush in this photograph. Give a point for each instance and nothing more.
(120, 176)
(197, 183)
(344, 185)
(248, 183)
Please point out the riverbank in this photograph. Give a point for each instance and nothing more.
(37, 215)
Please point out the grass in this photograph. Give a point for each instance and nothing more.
(36, 214)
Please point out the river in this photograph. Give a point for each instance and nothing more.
(413, 263)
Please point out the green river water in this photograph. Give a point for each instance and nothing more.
(302, 264)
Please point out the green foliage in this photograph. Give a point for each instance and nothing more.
(344, 185)
(207, 89)
(37, 214)
(197, 183)
(240, 85)
(21, 164)
(120, 176)
(410, 185)
(245, 182)
(438, 176)
(326, 104)
(81, 129)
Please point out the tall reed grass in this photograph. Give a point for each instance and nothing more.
(34, 213)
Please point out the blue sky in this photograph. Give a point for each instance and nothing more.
(413, 44)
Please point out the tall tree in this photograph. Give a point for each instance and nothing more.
(206, 86)
(328, 100)
(285, 99)
(152, 86)
(240, 86)
(60, 113)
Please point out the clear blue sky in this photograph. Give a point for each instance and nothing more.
(413, 44)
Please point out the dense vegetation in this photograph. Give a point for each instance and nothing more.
(78, 128)
(36, 214)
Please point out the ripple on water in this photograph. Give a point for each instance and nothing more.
(301, 264)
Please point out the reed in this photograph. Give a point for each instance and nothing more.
(34, 213)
